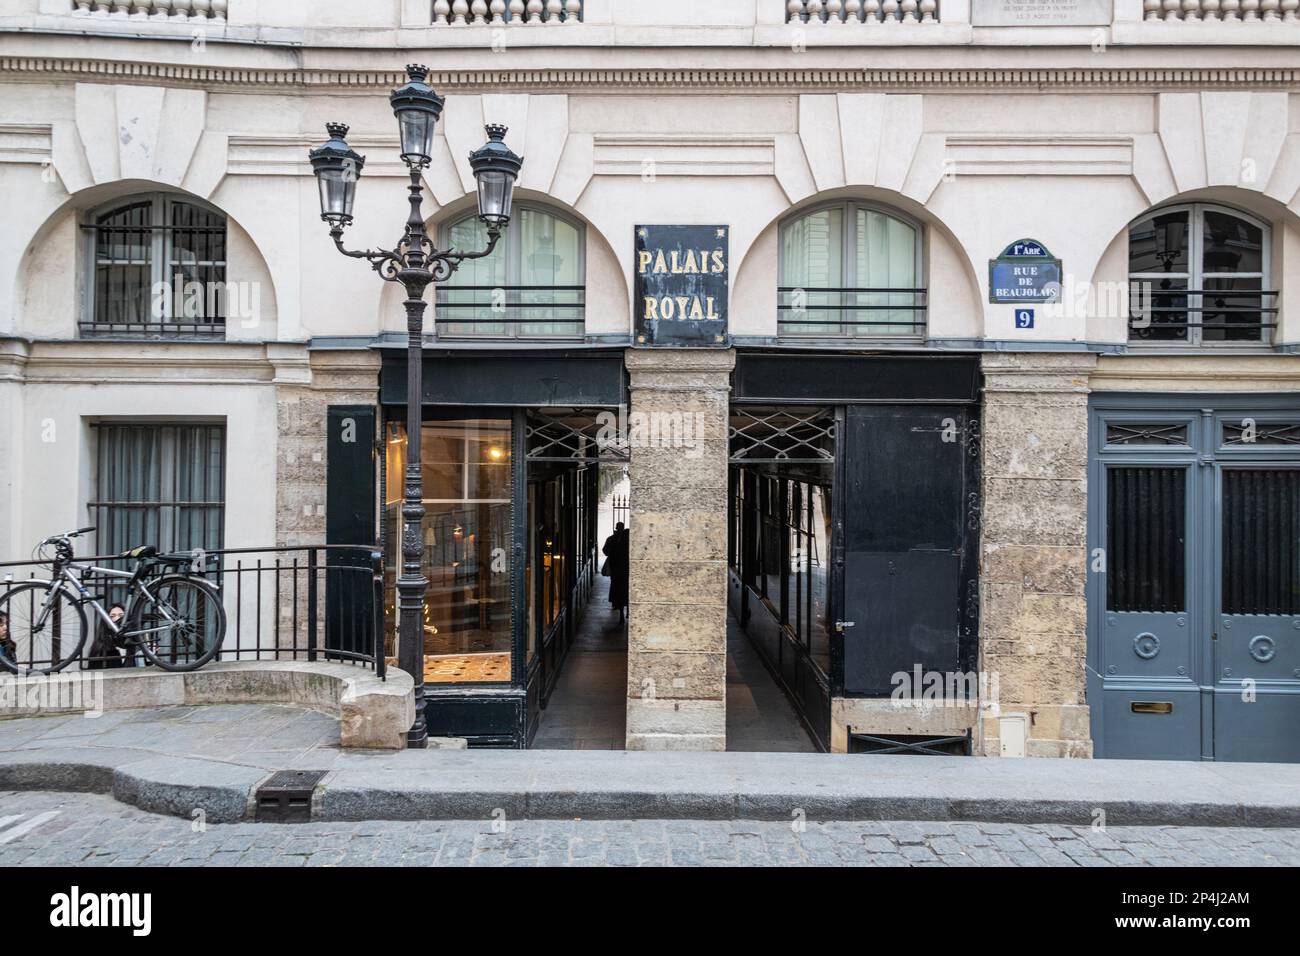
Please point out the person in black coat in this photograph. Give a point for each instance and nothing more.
(616, 565)
(103, 649)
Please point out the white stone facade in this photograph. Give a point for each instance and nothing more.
(679, 111)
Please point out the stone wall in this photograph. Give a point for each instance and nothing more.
(306, 385)
(677, 628)
(1033, 614)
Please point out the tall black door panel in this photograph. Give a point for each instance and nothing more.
(906, 524)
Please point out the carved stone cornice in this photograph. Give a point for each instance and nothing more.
(182, 75)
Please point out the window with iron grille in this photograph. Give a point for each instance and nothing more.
(850, 270)
(1199, 274)
(531, 287)
(157, 268)
(159, 484)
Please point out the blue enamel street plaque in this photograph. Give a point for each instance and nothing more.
(1025, 272)
(681, 286)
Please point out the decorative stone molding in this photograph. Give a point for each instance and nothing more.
(26, 143)
(1049, 155)
(685, 155)
(214, 78)
(287, 155)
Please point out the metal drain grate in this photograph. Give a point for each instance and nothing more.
(286, 797)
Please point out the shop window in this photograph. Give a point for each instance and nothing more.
(466, 470)
(157, 268)
(531, 287)
(1199, 274)
(160, 485)
(850, 270)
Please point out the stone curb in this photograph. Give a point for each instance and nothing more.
(174, 786)
(354, 804)
(177, 786)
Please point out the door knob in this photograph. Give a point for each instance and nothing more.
(841, 625)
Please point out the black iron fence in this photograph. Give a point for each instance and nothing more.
(307, 603)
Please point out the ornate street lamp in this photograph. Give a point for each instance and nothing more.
(416, 263)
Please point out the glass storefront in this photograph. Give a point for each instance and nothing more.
(466, 465)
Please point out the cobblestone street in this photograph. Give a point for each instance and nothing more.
(90, 830)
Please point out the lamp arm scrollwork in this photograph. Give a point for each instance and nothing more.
(390, 264)
(387, 263)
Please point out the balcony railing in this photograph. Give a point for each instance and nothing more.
(178, 10)
(1203, 316)
(865, 12)
(506, 12)
(1226, 10)
(851, 312)
(510, 311)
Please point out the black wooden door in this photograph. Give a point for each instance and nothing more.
(350, 496)
(910, 508)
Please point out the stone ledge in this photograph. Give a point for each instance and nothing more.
(372, 713)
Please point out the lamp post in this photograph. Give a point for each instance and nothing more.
(416, 263)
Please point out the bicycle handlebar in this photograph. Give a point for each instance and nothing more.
(67, 534)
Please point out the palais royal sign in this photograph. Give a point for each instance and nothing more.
(681, 285)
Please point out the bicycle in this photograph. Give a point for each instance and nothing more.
(174, 619)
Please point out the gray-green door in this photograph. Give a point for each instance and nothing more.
(1194, 577)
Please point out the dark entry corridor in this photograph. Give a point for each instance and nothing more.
(588, 709)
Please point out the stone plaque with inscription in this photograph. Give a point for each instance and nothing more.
(1042, 13)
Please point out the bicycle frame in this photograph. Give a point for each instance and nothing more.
(66, 579)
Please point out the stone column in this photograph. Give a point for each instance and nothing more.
(677, 626)
(1033, 614)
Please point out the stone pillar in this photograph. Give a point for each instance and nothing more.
(306, 384)
(1033, 614)
(677, 625)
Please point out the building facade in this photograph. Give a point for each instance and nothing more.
(945, 345)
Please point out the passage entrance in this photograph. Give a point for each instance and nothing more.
(1194, 595)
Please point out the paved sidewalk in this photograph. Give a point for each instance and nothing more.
(57, 829)
(174, 760)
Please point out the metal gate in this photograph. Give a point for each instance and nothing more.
(1194, 583)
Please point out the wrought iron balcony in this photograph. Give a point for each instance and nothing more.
(510, 311)
(1203, 316)
(871, 313)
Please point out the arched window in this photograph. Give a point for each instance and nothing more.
(532, 286)
(157, 267)
(850, 269)
(1198, 273)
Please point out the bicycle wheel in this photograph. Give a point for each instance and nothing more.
(44, 628)
(181, 627)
